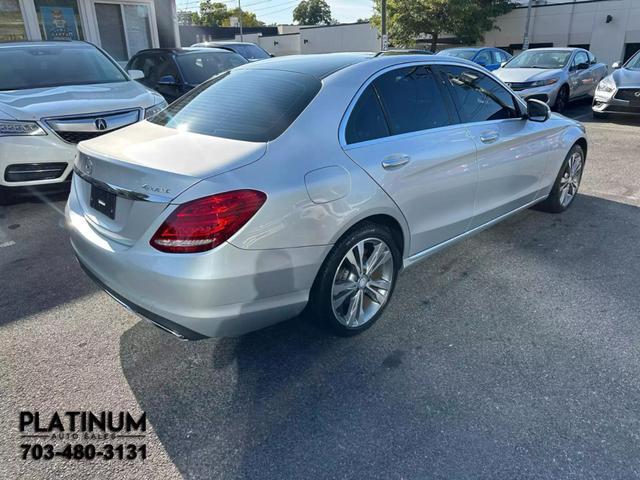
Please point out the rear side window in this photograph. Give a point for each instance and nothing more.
(412, 100)
(252, 105)
(478, 97)
(367, 120)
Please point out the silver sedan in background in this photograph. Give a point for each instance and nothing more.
(555, 76)
(620, 91)
(309, 182)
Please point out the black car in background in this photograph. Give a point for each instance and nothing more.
(250, 51)
(172, 72)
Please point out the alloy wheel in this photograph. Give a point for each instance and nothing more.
(362, 283)
(570, 181)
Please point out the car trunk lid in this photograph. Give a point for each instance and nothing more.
(142, 168)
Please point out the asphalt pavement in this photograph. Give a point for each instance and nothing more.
(514, 354)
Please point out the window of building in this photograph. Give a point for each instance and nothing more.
(11, 22)
(124, 29)
(59, 19)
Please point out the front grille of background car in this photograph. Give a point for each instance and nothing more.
(75, 137)
(517, 86)
(26, 172)
(628, 94)
(622, 109)
(76, 129)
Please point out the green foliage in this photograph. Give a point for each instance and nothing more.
(217, 14)
(312, 12)
(466, 19)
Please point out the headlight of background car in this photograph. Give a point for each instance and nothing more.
(542, 83)
(157, 108)
(606, 85)
(10, 128)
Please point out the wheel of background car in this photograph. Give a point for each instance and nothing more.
(562, 99)
(357, 279)
(567, 182)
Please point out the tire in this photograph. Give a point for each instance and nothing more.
(5, 197)
(566, 186)
(562, 100)
(341, 284)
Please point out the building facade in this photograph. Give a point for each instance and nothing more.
(121, 27)
(609, 28)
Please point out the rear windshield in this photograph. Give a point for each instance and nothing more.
(253, 105)
(53, 66)
(200, 66)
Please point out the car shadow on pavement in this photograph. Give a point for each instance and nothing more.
(491, 362)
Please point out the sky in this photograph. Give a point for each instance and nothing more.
(280, 11)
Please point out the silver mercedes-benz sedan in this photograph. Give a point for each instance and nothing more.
(309, 182)
(620, 91)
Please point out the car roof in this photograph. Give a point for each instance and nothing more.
(561, 49)
(225, 42)
(183, 50)
(317, 65)
(47, 43)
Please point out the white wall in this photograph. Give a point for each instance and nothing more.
(571, 24)
(360, 37)
(281, 44)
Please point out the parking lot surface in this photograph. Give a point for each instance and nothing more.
(514, 354)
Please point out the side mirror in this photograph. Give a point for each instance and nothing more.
(136, 74)
(616, 65)
(167, 80)
(583, 66)
(537, 111)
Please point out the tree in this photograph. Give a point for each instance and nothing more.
(467, 20)
(312, 12)
(249, 19)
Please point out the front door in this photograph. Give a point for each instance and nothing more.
(512, 151)
(403, 132)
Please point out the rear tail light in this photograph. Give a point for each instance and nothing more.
(203, 224)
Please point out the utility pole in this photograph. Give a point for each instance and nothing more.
(383, 24)
(525, 40)
(240, 21)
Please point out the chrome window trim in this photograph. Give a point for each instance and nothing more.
(119, 191)
(347, 114)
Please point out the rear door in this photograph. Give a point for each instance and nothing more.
(511, 150)
(403, 131)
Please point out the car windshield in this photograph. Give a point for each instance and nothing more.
(253, 105)
(634, 62)
(545, 59)
(250, 52)
(459, 53)
(32, 66)
(197, 67)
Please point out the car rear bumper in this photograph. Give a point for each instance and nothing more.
(35, 160)
(225, 292)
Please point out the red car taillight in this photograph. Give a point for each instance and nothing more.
(203, 224)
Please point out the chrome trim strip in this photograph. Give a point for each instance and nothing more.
(88, 124)
(412, 260)
(119, 191)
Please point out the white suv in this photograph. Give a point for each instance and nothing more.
(54, 95)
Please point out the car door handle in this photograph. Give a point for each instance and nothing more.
(489, 137)
(395, 161)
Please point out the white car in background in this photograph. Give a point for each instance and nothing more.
(54, 95)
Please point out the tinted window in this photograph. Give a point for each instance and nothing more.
(367, 121)
(458, 53)
(51, 66)
(254, 105)
(250, 52)
(483, 58)
(148, 63)
(581, 57)
(200, 66)
(592, 59)
(412, 100)
(478, 97)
